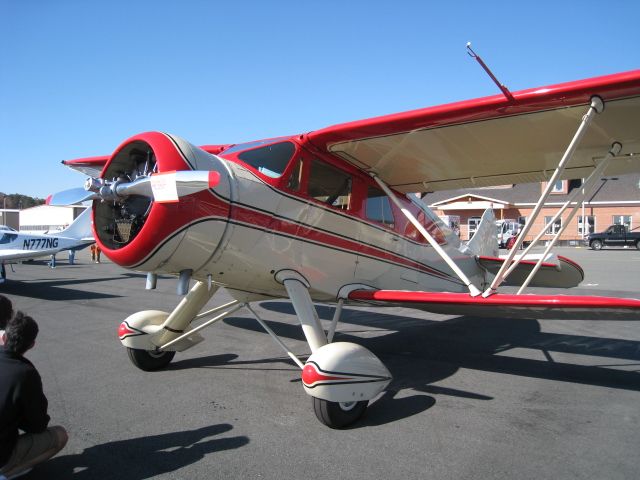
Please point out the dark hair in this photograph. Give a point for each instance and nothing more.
(21, 332)
(6, 311)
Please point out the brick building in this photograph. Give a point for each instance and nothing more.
(615, 200)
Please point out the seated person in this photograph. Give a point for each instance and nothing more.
(23, 405)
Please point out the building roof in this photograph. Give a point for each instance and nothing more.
(624, 188)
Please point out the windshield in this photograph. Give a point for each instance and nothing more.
(270, 160)
(8, 237)
(246, 146)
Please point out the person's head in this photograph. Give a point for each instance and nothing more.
(6, 311)
(20, 333)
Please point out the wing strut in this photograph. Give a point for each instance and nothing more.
(579, 195)
(597, 106)
(473, 290)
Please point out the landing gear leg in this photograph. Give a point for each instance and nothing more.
(153, 329)
(341, 377)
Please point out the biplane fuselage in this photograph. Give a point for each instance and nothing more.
(254, 224)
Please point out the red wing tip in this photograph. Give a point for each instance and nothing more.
(48, 200)
(498, 299)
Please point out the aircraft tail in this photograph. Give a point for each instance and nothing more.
(80, 228)
(484, 242)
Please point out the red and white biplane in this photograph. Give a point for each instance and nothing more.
(328, 216)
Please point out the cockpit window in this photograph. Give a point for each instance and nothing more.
(270, 160)
(329, 185)
(378, 207)
(8, 237)
(295, 180)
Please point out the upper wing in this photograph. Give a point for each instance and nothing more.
(492, 140)
(557, 307)
(91, 166)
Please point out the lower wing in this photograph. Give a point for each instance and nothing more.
(552, 307)
(10, 256)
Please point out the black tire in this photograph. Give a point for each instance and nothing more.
(338, 415)
(596, 245)
(638, 244)
(148, 360)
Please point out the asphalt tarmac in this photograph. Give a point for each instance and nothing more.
(471, 398)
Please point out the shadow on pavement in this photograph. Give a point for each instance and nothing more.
(420, 352)
(46, 289)
(139, 458)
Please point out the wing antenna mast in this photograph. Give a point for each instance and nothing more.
(505, 90)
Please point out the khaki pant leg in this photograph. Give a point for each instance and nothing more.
(34, 448)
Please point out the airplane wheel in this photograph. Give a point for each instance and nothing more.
(638, 244)
(149, 360)
(596, 245)
(338, 414)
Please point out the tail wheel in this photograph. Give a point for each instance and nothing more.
(338, 414)
(148, 360)
(596, 245)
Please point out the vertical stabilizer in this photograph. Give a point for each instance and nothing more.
(484, 242)
(80, 228)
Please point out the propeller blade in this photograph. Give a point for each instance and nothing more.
(160, 187)
(70, 197)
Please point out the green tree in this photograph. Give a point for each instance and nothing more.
(19, 201)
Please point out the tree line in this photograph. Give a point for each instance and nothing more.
(18, 201)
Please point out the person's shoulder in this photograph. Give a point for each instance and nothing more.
(15, 361)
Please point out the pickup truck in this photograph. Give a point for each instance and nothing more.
(614, 236)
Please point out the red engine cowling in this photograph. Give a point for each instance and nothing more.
(138, 232)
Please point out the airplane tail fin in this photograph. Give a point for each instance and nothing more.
(484, 242)
(80, 228)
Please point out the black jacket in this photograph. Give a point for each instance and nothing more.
(22, 402)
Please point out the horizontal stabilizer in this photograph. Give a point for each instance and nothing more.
(552, 307)
(555, 272)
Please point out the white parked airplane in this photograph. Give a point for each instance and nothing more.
(16, 247)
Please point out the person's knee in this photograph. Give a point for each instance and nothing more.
(61, 436)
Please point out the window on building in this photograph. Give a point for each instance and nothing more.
(473, 225)
(575, 183)
(591, 224)
(378, 207)
(553, 228)
(329, 185)
(559, 187)
(622, 220)
(522, 221)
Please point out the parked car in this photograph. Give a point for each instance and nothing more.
(614, 236)
(506, 230)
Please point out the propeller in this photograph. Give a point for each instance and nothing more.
(70, 197)
(160, 187)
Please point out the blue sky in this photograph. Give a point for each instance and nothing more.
(79, 77)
